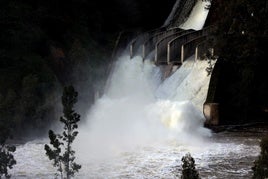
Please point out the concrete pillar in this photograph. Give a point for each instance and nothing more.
(155, 54)
(211, 113)
(131, 51)
(96, 96)
(196, 53)
(182, 54)
(143, 52)
(168, 54)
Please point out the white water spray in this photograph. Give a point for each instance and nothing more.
(197, 17)
(149, 125)
(138, 109)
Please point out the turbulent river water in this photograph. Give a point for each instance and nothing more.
(142, 126)
(225, 155)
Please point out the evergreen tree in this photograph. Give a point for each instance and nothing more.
(188, 168)
(260, 169)
(6, 157)
(64, 160)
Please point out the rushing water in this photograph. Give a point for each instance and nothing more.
(197, 17)
(142, 126)
(225, 155)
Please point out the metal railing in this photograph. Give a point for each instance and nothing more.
(134, 47)
(189, 48)
(183, 46)
(161, 46)
(171, 46)
(149, 45)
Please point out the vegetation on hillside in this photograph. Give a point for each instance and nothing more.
(239, 41)
(45, 45)
(260, 168)
(7, 160)
(42, 46)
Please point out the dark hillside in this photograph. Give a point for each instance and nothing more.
(240, 42)
(45, 45)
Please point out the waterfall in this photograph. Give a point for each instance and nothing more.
(145, 133)
(198, 16)
(138, 109)
(188, 14)
(143, 125)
